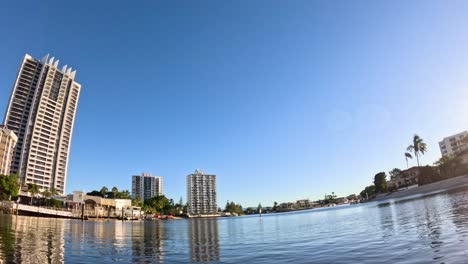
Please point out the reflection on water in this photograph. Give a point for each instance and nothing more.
(31, 240)
(431, 229)
(132, 242)
(426, 223)
(147, 242)
(203, 239)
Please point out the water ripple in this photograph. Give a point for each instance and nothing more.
(427, 230)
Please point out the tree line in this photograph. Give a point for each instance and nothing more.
(10, 187)
(159, 204)
(114, 193)
(233, 208)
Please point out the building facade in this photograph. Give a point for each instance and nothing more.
(8, 141)
(408, 177)
(145, 186)
(304, 203)
(41, 112)
(201, 194)
(95, 206)
(453, 145)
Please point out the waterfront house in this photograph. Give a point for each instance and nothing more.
(286, 206)
(305, 203)
(406, 178)
(342, 200)
(353, 198)
(95, 206)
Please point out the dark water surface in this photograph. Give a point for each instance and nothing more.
(426, 230)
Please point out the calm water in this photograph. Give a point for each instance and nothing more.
(426, 230)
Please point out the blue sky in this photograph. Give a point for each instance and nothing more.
(282, 100)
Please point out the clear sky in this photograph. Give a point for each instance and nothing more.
(282, 100)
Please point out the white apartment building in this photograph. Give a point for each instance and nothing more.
(453, 144)
(145, 186)
(8, 141)
(41, 112)
(201, 194)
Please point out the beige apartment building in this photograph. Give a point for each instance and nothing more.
(8, 141)
(41, 112)
(454, 144)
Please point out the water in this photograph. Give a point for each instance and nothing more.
(426, 230)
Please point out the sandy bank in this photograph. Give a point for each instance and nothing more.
(441, 186)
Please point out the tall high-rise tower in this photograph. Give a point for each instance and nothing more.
(145, 186)
(41, 112)
(201, 194)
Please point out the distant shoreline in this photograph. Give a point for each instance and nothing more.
(435, 187)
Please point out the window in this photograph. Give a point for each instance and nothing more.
(55, 89)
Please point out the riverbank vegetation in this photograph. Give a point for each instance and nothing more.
(162, 205)
(114, 193)
(159, 204)
(9, 186)
(233, 208)
(444, 168)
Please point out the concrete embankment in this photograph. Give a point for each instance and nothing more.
(23, 209)
(440, 186)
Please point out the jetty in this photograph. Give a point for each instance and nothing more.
(23, 209)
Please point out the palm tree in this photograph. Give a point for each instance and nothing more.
(137, 202)
(114, 192)
(33, 190)
(53, 191)
(408, 156)
(104, 191)
(418, 147)
(46, 194)
(125, 194)
(49, 193)
(394, 173)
